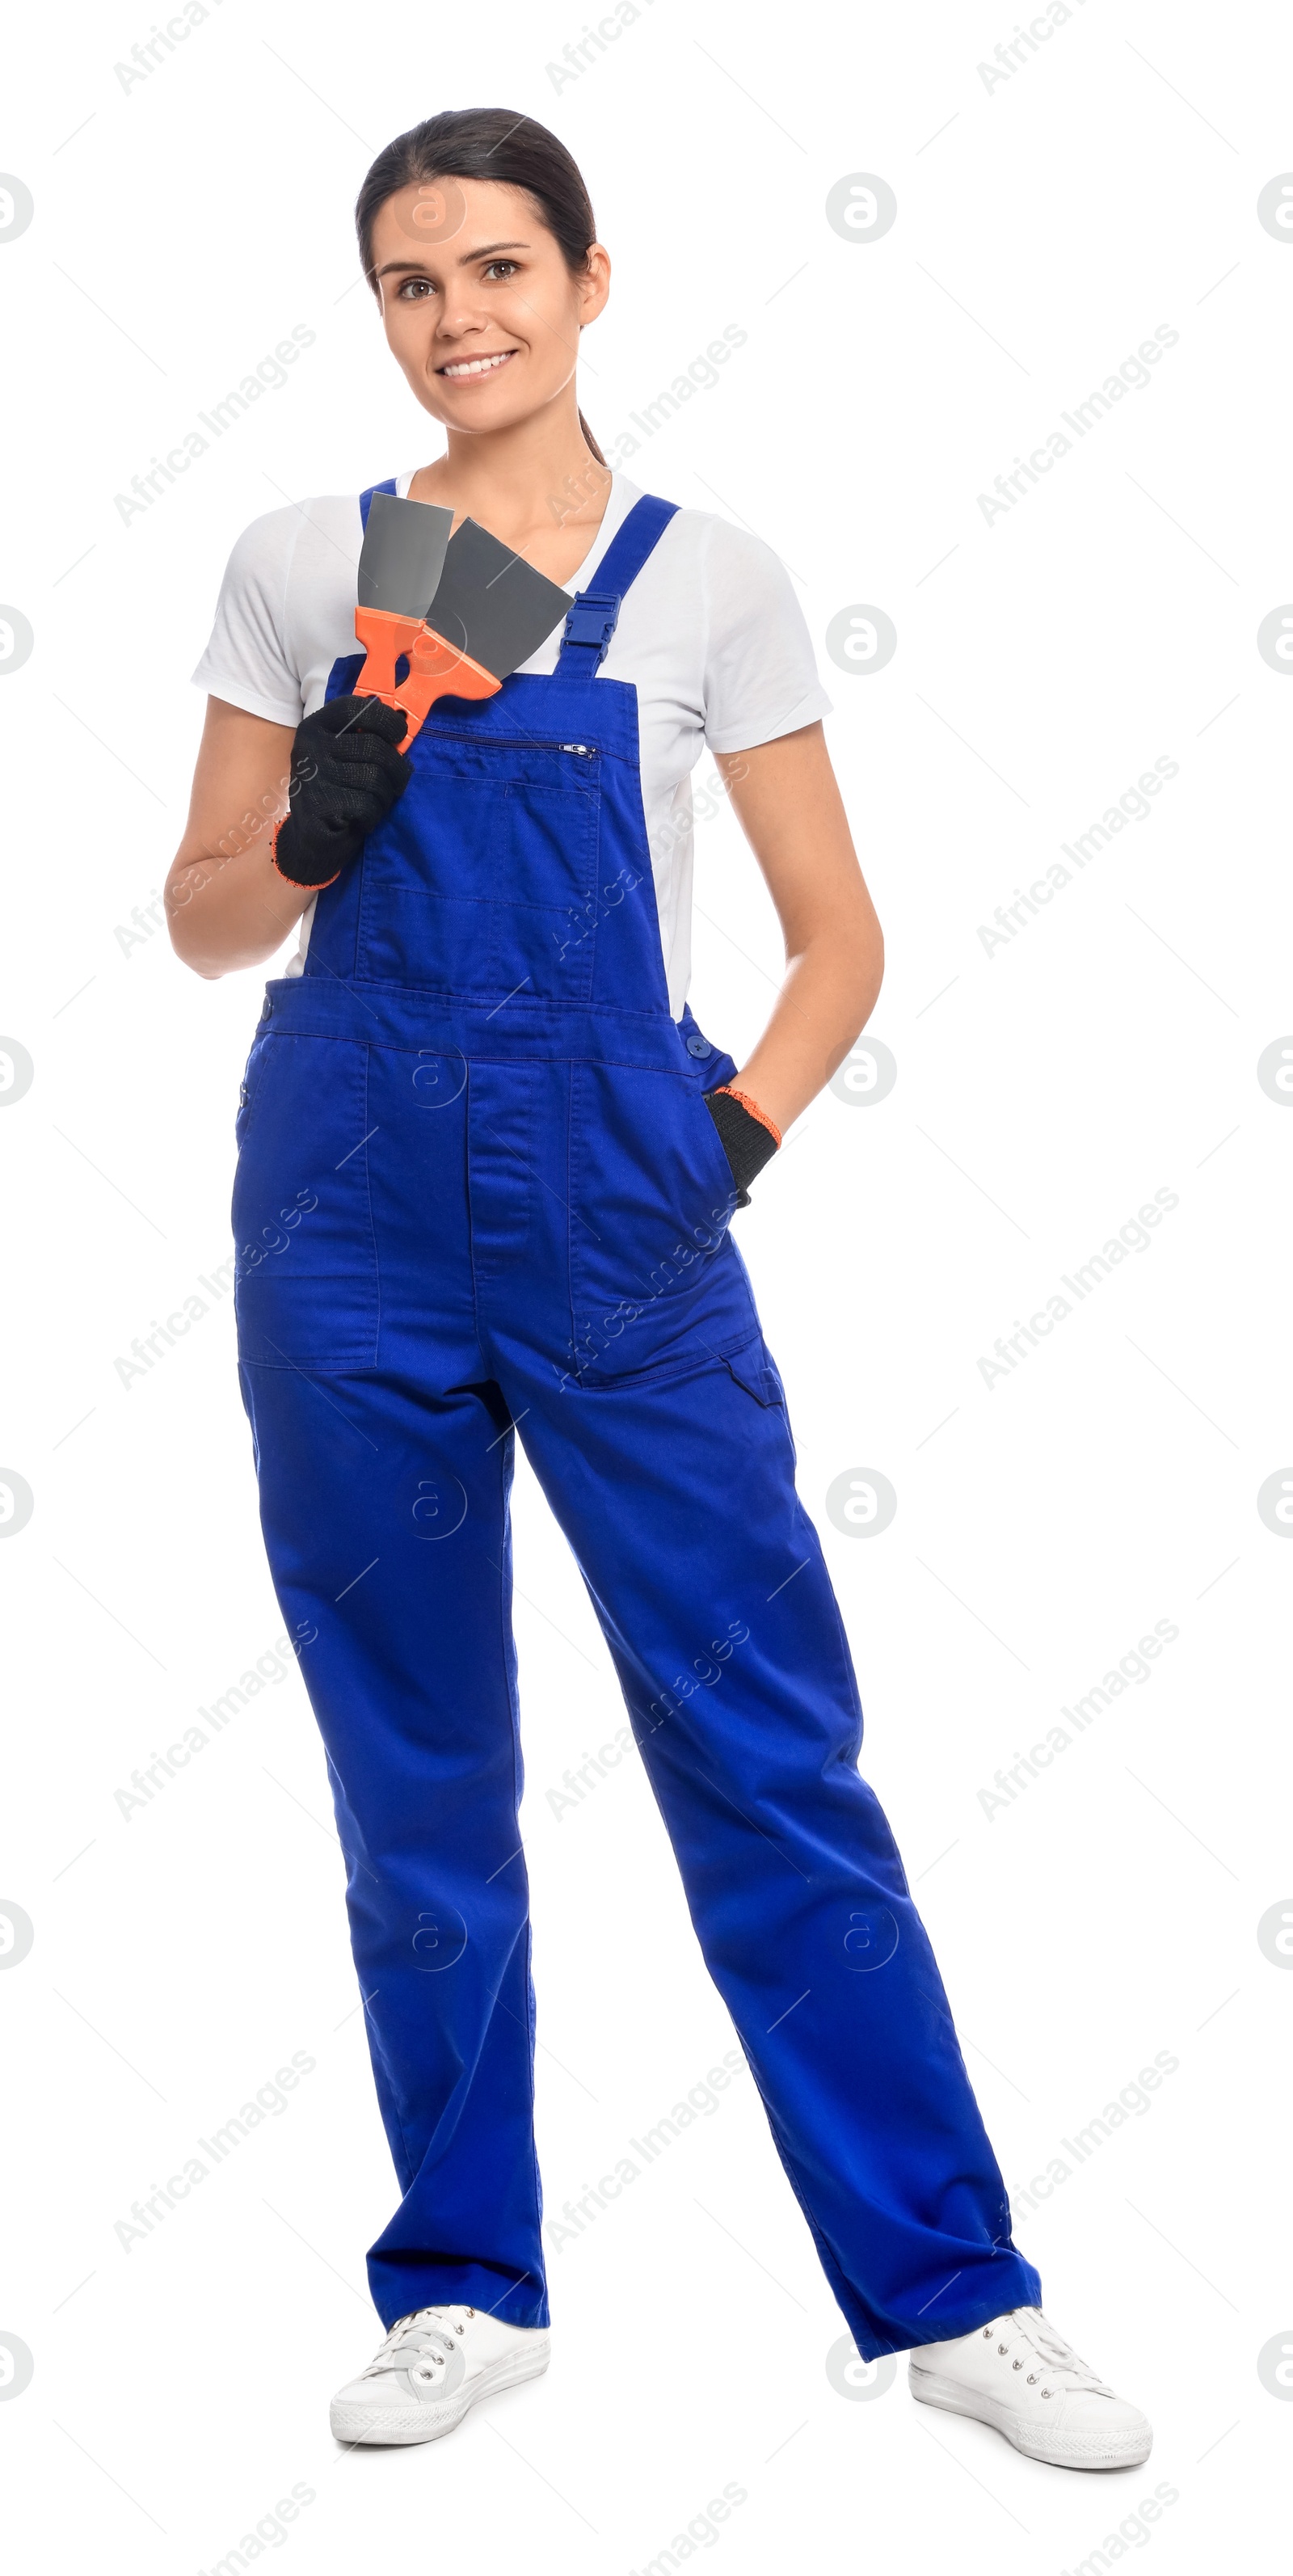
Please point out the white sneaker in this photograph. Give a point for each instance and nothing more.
(431, 2368)
(1022, 2377)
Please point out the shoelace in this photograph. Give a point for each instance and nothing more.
(1058, 2359)
(420, 2340)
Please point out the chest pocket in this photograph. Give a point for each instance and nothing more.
(483, 878)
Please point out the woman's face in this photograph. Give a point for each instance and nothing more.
(480, 308)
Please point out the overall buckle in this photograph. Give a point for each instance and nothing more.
(592, 621)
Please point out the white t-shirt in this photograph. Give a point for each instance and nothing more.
(711, 633)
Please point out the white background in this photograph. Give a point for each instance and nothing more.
(1046, 226)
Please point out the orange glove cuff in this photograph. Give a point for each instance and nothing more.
(293, 881)
(753, 1107)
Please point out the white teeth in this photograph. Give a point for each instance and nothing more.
(476, 366)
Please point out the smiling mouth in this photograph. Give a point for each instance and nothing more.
(459, 369)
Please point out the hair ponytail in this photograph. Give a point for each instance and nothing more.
(489, 143)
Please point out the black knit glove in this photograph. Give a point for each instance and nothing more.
(747, 1140)
(346, 775)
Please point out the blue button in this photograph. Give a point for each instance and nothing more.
(699, 1047)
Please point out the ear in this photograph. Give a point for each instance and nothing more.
(594, 285)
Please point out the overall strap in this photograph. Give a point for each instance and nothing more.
(592, 620)
(366, 499)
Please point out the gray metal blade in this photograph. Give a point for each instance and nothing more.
(403, 554)
(492, 604)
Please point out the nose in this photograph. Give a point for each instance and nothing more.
(457, 323)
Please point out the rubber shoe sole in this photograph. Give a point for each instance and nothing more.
(430, 2421)
(1126, 2451)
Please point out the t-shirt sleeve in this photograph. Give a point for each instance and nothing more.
(247, 661)
(760, 674)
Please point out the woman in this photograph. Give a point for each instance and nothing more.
(487, 1164)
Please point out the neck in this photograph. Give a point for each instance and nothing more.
(537, 477)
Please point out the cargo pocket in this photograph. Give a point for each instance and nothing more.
(752, 1367)
(306, 1283)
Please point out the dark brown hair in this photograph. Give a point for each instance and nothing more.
(490, 143)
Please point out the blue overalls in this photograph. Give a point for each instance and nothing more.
(478, 1188)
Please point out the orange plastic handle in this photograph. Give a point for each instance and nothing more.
(436, 669)
(385, 635)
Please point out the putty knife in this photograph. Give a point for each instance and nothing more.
(490, 611)
(403, 555)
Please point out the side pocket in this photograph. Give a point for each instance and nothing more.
(306, 1285)
(247, 1090)
(727, 1194)
(654, 1277)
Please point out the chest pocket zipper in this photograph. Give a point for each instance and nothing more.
(509, 741)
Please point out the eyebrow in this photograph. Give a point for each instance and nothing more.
(490, 250)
